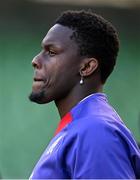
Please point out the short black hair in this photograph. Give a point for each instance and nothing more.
(95, 36)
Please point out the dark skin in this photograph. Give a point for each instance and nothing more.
(58, 70)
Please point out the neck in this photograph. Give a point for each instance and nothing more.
(65, 104)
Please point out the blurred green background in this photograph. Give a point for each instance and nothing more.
(25, 127)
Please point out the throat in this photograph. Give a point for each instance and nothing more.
(64, 105)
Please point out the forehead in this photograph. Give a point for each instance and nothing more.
(59, 35)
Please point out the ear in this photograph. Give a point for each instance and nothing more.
(88, 66)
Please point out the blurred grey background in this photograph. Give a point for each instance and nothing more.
(26, 128)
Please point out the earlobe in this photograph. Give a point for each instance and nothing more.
(82, 80)
(88, 66)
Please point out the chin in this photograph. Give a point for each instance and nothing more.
(39, 98)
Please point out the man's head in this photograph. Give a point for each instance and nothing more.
(80, 44)
(95, 36)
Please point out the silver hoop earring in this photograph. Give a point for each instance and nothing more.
(81, 81)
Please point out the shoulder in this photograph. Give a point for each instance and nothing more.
(92, 140)
(99, 131)
(93, 126)
(90, 143)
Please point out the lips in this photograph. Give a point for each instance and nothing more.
(38, 84)
(38, 79)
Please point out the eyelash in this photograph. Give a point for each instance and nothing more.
(48, 51)
(51, 53)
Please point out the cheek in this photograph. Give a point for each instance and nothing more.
(60, 73)
(67, 78)
(51, 73)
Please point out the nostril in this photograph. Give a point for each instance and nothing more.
(35, 62)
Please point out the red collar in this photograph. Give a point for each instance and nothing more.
(64, 122)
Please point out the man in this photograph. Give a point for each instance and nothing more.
(78, 54)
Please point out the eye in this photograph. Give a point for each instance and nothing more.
(51, 52)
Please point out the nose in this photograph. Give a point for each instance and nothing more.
(36, 63)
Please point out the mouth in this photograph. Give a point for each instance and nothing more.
(38, 80)
(38, 84)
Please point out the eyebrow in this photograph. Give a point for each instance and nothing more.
(50, 45)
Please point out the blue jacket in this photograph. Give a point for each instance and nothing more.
(91, 142)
